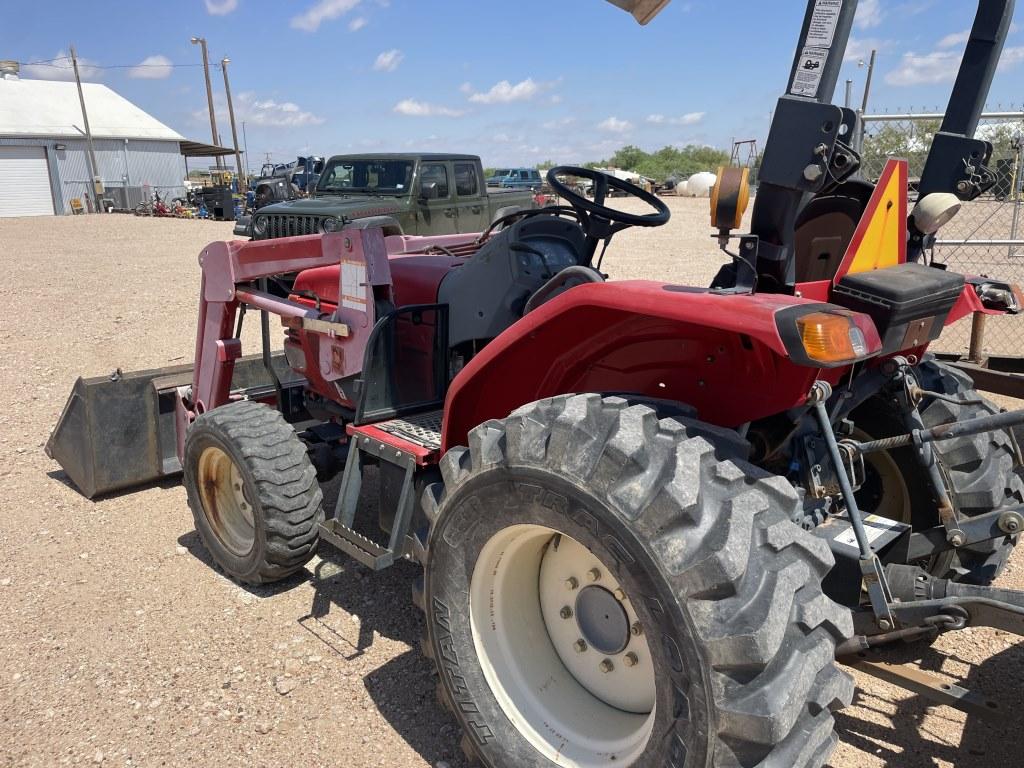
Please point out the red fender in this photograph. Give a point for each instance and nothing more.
(721, 354)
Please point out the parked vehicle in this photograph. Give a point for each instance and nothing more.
(516, 178)
(654, 521)
(412, 194)
(279, 182)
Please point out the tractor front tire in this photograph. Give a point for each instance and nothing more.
(982, 472)
(253, 492)
(604, 588)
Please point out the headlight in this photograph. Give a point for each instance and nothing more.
(331, 224)
(260, 225)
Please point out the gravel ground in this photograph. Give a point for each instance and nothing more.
(122, 646)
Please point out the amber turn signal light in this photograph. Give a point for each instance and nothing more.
(829, 338)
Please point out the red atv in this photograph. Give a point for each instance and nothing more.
(649, 516)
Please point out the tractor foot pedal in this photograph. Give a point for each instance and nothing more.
(356, 546)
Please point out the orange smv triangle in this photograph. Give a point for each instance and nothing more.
(881, 237)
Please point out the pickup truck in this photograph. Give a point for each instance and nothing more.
(409, 194)
(516, 178)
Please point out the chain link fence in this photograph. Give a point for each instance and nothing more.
(987, 236)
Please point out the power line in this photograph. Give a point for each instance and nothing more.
(67, 65)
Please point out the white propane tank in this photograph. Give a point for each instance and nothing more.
(700, 184)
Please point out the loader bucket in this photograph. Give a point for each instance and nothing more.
(119, 431)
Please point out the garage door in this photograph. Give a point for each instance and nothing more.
(24, 182)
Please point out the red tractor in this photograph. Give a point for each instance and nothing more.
(650, 516)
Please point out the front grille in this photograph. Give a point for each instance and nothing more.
(288, 225)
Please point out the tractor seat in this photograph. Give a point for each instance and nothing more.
(490, 291)
(824, 230)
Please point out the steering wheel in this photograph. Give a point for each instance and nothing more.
(597, 218)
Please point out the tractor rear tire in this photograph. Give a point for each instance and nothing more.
(702, 636)
(982, 472)
(253, 492)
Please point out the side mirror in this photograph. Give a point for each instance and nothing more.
(429, 191)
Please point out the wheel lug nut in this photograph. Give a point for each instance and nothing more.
(630, 660)
(620, 595)
(594, 574)
(580, 646)
(636, 630)
(571, 583)
(566, 612)
(607, 666)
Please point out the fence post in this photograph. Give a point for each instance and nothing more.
(1016, 191)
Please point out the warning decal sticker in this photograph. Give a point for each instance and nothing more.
(353, 285)
(824, 21)
(808, 72)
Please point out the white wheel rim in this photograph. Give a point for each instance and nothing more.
(222, 493)
(578, 707)
(895, 502)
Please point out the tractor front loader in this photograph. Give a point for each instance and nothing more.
(650, 517)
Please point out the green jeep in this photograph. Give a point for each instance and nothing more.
(410, 194)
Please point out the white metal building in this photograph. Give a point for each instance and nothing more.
(44, 162)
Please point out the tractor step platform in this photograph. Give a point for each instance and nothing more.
(423, 429)
(355, 545)
(417, 436)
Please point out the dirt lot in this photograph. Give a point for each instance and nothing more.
(120, 645)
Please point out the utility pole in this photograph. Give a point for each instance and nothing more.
(867, 83)
(245, 142)
(849, 94)
(859, 144)
(242, 181)
(201, 42)
(96, 194)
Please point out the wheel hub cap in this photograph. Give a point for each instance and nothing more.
(602, 620)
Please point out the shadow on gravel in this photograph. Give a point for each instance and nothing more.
(908, 741)
(166, 484)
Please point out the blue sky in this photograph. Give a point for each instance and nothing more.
(516, 82)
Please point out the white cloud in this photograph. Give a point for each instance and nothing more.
(414, 108)
(325, 10)
(869, 14)
(59, 68)
(357, 23)
(220, 7)
(560, 123)
(388, 61)
(690, 118)
(152, 68)
(266, 112)
(925, 69)
(860, 48)
(614, 125)
(941, 66)
(505, 92)
(954, 40)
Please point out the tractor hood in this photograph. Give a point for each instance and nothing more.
(643, 10)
